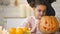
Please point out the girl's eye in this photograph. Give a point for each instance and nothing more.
(43, 11)
(39, 10)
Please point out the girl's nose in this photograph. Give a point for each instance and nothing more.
(41, 13)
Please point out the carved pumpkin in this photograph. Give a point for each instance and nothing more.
(48, 24)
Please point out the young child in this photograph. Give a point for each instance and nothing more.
(40, 9)
(50, 11)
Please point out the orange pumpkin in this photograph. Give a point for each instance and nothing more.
(25, 29)
(19, 31)
(12, 31)
(48, 24)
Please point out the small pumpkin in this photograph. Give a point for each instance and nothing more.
(12, 31)
(25, 29)
(48, 24)
(19, 31)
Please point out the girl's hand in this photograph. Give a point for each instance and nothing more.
(39, 21)
(34, 28)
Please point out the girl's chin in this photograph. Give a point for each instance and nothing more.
(39, 17)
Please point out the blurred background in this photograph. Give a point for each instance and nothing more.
(14, 12)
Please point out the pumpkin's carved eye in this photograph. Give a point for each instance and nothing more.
(46, 22)
(44, 27)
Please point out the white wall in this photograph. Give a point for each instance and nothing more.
(56, 6)
(15, 22)
(12, 11)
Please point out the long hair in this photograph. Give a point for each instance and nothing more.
(50, 11)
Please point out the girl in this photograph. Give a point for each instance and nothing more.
(50, 11)
(40, 8)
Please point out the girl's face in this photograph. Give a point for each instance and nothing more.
(40, 10)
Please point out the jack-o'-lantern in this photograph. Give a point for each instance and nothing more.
(48, 24)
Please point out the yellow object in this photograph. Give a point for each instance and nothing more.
(19, 31)
(12, 31)
(25, 29)
(27, 32)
